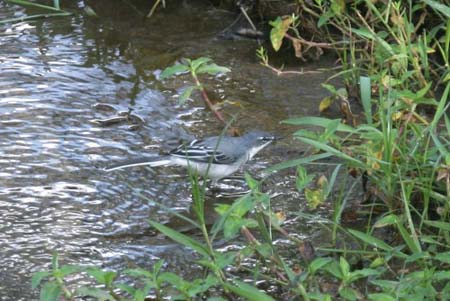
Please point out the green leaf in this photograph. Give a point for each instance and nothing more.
(303, 179)
(342, 93)
(386, 285)
(417, 256)
(90, 11)
(97, 293)
(221, 209)
(348, 294)
(173, 279)
(318, 263)
(103, 277)
(375, 242)
(247, 291)
(195, 64)
(51, 291)
(34, 17)
(338, 7)
(181, 238)
(157, 266)
(169, 71)
(365, 90)
(345, 267)
(138, 273)
(379, 261)
(381, 297)
(331, 129)
(216, 299)
(439, 7)
(320, 122)
(324, 18)
(199, 286)
(212, 69)
(265, 250)
(443, 257)
(139, 295)
(441, 275)
(280, 27)
(234, 224)
(437, 224)
(38, 277)
(332, 150)
(186, 94)
(55, 264)
(225, 259)
(70, 269)
(319, 296)
(32, 4)
(355, 275)
(388, 220)
(126, 288)
(441, 108)
(331, 185)
(314, 197)
(364, 32)
(330, 88)
(334, 269)
(407, 238)
(252, 183)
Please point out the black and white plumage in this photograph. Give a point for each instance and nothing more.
(213, 157)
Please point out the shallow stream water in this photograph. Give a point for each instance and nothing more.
(54, 195)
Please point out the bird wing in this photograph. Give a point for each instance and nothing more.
(198, 151)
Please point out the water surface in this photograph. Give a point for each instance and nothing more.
(54, 195)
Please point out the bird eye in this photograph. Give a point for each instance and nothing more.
(265, 138)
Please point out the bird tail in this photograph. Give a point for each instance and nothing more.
(149, 161)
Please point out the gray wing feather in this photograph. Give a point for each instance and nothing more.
(202, 151)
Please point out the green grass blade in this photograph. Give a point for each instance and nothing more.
(181, 238)
(333, 178)
(442, 148)
(439, 7)
(440, 225)
(318, 121)
(32, 4)
(247, 291)
(35, 17)
(332, 150)
(169, 71)
(366, 97)
(442, 107)
(410, 237)
(195, 64)
(373, 241)
(212, 69)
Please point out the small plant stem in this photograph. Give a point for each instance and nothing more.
(249, 236)
(280, 72)
(211, 251)
(152, 10)
(314, 44)
(303, 292)
(208, 101)
(67, 293)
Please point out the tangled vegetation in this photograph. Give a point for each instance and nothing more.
(394, 58)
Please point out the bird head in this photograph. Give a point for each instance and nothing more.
(257, 140)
